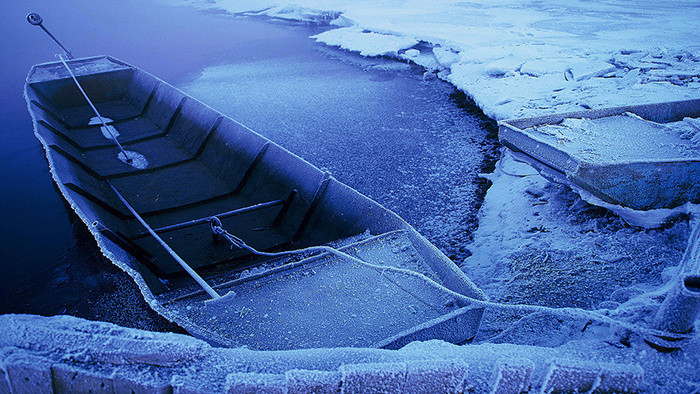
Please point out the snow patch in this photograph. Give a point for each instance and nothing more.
(366, 43)
(108, 132)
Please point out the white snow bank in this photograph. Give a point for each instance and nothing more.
(518, 59)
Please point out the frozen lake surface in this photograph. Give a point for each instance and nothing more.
(412, 144)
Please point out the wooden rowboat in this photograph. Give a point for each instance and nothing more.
(187, 164)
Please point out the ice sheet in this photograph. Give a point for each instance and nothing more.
(518, 59)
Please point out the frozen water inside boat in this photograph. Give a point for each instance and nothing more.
(322, 301)
(109, 131)
(621, 138)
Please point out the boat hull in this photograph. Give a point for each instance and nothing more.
(203, 164)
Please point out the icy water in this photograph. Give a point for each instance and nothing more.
(410, 142)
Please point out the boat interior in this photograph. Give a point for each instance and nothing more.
(200, 164)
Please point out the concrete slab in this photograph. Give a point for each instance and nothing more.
(642, 157)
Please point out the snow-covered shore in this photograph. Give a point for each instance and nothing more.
(521, 58)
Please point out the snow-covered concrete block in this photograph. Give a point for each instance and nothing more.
(300, 381)
(192, 384)
(69, 379)
(435, 376)
(570, 376)
(126, 383)
(255, 383)
(152, 352)
(373, 378)
(579, 376)
(26, 373)
(512, 377)
(620, 378)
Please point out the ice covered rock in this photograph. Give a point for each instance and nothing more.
(445, 56)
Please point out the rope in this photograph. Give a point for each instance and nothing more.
(573, 313)
(111, 133)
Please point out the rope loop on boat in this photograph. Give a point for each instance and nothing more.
(569, 313)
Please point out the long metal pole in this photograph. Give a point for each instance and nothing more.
(36, 20)
(94, 109)
(177, 258)
(66, 50)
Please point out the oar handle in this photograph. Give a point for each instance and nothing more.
(36, 20)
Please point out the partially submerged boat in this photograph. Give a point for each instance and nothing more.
(194, 206)
(642, 157)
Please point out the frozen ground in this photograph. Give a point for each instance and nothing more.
(520, 58)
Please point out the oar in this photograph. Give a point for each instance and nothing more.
(36, 20)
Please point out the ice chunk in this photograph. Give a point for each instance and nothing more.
(366, 43)
(503, 66)
(446, 57)
(590, 69)
(540, 67)
(412, 53)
